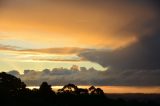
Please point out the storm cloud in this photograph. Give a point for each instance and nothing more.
(134, 64)
(142, 55)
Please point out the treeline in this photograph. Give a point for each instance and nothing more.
(13, 92)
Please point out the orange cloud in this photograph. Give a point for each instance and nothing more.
(7, 47)
(61, 51)
(64, 50)
(48, 54)
(97, 24)
(66, 60)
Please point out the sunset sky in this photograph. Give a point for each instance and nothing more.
(119, 37)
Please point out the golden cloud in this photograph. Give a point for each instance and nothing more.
(96, 24)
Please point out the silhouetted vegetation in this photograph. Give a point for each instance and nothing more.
(13, 92)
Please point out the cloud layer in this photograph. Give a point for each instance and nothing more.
(83, 76)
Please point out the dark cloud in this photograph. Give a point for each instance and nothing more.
(61, 76)
(137, 63)
(143, 54)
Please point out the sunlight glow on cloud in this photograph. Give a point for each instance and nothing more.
(86, 24)
(116, 35)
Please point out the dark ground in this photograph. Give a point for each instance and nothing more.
(139, 97)
(13, 92)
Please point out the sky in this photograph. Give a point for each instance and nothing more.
(118, 41)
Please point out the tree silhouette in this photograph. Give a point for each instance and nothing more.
(45, 89)
(10, 85)
(95, 91)
(99, 91)
(70, 89)
(92, 89)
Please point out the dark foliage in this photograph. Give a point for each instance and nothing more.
(13, 92)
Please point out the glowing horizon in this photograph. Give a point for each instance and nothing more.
(117, 89)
